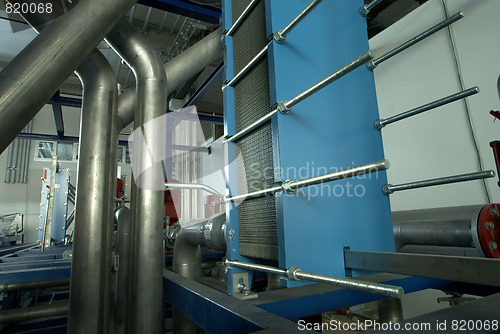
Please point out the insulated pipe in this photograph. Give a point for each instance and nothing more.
(178, 70)
(151, 102)
(34, 312)
(91, 269)
(35, 74)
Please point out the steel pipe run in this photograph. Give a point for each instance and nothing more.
(280, 35)
(178, 70)
(91, 269)
(295, 274)
(289, 186)
(375, 62)
(187, 257)
(147, 213)
(124, 249)
(286, 106)
(449, 231)
(380, 123)
(35, 74)
(34, 312)
(32, 285)
(390, 188)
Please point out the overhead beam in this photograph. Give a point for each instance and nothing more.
(186, 8)
(58, 116)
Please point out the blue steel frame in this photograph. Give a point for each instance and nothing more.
(186, 8)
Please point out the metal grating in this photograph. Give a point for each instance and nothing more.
(257, 217)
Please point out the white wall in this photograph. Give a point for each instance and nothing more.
(439, 142)
(25, 198)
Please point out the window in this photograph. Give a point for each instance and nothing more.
(123, 155)
(46, 150)
(65, 151)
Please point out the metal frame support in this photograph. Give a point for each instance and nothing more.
(453, 268)
(289, 186)
(390, 188)
(375, 62)
(296, 274)
(285, 106)
(190, 9)
(242, 17)
(58, 116)
(280, 35)
(367, 8)
(380, 123)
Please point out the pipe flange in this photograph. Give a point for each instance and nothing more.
(291, 273)
(287, 186)
(283, 108)
(488, 230)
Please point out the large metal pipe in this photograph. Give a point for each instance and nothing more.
(91, 269)
(150, 103)
(454, 229)
(31, 285)
(187, 258)
(178, 70)
(124, 274)
(34, 312)
(35, 74)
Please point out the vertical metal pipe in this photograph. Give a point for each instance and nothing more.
(124, 274)
(9, 164)
(20, 160)
(179, 70)
(28, 151)
(162, 22)
(151, 102)
(146, 21)
(132, 13)
(91, 269)
(33, 76)
(14, 161)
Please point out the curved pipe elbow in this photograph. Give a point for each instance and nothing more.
(187, 254)
(96, 73)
